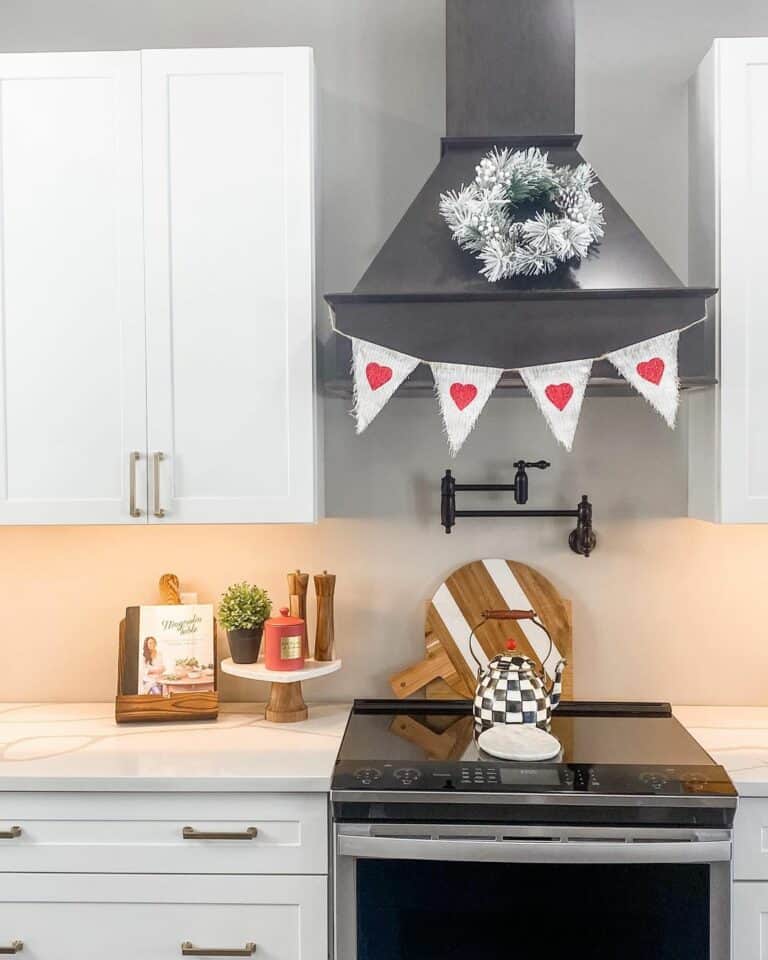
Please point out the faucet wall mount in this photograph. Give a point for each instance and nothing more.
(582, 539)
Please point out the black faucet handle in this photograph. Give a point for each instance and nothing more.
(521, 477)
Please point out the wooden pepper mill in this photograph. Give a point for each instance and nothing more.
(297, 603)
(325, 585)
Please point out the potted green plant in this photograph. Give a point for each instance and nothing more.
(243, 608)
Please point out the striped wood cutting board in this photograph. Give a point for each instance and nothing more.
(448, 670)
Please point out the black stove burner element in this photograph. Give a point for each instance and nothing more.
(419, 760)
(582, 539)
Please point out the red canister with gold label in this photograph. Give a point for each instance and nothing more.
(283, 642)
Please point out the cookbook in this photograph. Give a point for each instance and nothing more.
(169, 649)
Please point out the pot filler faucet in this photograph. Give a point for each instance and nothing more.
(582, 539)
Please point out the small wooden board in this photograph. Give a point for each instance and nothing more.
(448, 743)
(448, 670)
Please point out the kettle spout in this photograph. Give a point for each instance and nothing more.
(556, 690)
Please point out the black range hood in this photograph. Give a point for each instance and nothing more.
(510, 82)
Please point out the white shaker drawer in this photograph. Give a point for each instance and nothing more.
(163, 918)
(750, 839)
(164, 833)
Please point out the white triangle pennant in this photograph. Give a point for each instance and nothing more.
(651, 368)
(558, 389)
(377, 373)
(462, 392)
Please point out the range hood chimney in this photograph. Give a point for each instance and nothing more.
(510, 81)
(510, 68)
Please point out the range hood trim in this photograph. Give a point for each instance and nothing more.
(630, 293)
(546, 331)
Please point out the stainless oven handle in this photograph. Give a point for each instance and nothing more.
(533, 851)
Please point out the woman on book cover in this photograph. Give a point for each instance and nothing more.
(153, 667)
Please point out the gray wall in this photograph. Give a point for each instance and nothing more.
(651, 605)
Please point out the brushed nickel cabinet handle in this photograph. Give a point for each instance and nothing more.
(187, 950)
(10, 834)
(16, 947)
(156, 458)
(133, 459)
(189, 833)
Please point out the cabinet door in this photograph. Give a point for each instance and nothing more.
(750, 921)
(72, 344)
(228, 187)
(736, 414)
(143, 917)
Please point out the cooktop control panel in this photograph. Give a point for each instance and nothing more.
(532, 778)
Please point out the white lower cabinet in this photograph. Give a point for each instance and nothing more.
(90, 876)
(750, 872)
(145, 917)
(750, 921)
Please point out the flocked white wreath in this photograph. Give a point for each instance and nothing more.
(522, 215)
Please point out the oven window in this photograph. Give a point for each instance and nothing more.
(423, 910)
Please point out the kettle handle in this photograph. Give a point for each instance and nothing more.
(508, 615)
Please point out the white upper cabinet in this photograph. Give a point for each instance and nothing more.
(157, 305)
(728, 474)
(228, 206)
(72, 370)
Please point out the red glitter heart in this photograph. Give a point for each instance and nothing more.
(378, 375)
(652, 370)
(559, 394)
(463, 394)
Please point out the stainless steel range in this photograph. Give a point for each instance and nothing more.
(622, 845)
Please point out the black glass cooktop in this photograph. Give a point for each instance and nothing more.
(636, 750)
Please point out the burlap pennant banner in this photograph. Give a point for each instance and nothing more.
(558, 388)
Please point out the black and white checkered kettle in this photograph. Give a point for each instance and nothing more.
(511, 689)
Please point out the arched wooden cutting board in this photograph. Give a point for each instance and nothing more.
(457, 606)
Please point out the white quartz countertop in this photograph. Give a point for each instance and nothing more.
(78, 746)
(737, 738)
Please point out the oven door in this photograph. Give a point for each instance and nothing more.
(444, 892)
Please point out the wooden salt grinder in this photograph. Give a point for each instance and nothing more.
(297, 603)
(325, 584)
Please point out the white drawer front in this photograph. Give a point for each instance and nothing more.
(119, 833)
(750, 840)
(149, 918)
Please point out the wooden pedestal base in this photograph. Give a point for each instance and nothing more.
(286, 703)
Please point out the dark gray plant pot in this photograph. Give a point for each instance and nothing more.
(244, 645)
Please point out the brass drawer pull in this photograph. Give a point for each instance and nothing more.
(187, 950)
(189, 833)
(10, 834)
(16, 947)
